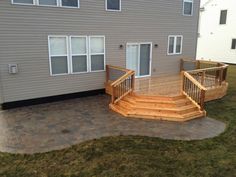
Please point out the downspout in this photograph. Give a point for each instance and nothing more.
(1, 89)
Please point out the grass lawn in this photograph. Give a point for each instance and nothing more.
(140, 156)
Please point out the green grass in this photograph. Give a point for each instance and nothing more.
(140, 156)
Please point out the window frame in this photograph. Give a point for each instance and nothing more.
(50, 56)
(175, 44)
(36, 3)
(192, 1)
(90, 54)
(112, 10)
(71, 54)
(225, 17)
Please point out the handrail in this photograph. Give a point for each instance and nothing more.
(194, 81)
(122, 78)
(121, 86)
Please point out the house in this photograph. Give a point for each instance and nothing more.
(217, 31)
(60, 47)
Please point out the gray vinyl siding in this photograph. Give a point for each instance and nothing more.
(24, 41)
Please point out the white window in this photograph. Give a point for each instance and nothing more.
(79, 54)
(113, 5)
(97, 53)
(188, 7)
(76, 54)
(58, 3)
(58, 55)
(175, 44)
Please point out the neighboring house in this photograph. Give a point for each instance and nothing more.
(217, 31)
(60, 47)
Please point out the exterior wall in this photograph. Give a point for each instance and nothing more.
(215, 40)
(24, 41)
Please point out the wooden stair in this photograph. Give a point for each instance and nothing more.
(175, 108)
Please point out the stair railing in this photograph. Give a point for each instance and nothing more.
(200, 75)
(123, 85)
(193, 90)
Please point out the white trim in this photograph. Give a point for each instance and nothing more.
(112, 10)
(36, 3)
(175, 41)
(150, 62)
(191, 1)
(50, 56)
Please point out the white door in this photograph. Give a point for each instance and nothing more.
(138, 58)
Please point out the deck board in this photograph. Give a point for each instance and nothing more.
(162, 85)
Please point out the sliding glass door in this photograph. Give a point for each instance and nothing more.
(138, 58)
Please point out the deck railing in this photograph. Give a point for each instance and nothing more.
(198, 75)
(121, 82)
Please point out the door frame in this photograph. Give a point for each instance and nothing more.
(150, 62)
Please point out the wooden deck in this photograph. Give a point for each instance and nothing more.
(177, 97)
(158, 86)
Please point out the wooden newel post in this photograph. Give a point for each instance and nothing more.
(182, 81)
(181, 65)
(198, 65)
(107, 73)
(221, 76)
(132, 81)
(203, 78)
(202, 103)
(113, 95)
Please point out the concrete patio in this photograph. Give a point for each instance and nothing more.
(58, 125)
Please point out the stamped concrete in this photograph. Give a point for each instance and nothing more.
(55, 126)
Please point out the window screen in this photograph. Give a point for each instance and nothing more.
(58, 55)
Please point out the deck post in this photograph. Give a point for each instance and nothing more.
(203, 78)
(132, 81)
(182, 81)
(202, 102)
(198, 64)
(107, 73)
(181, 64)
(221, 76)
(113, 93)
